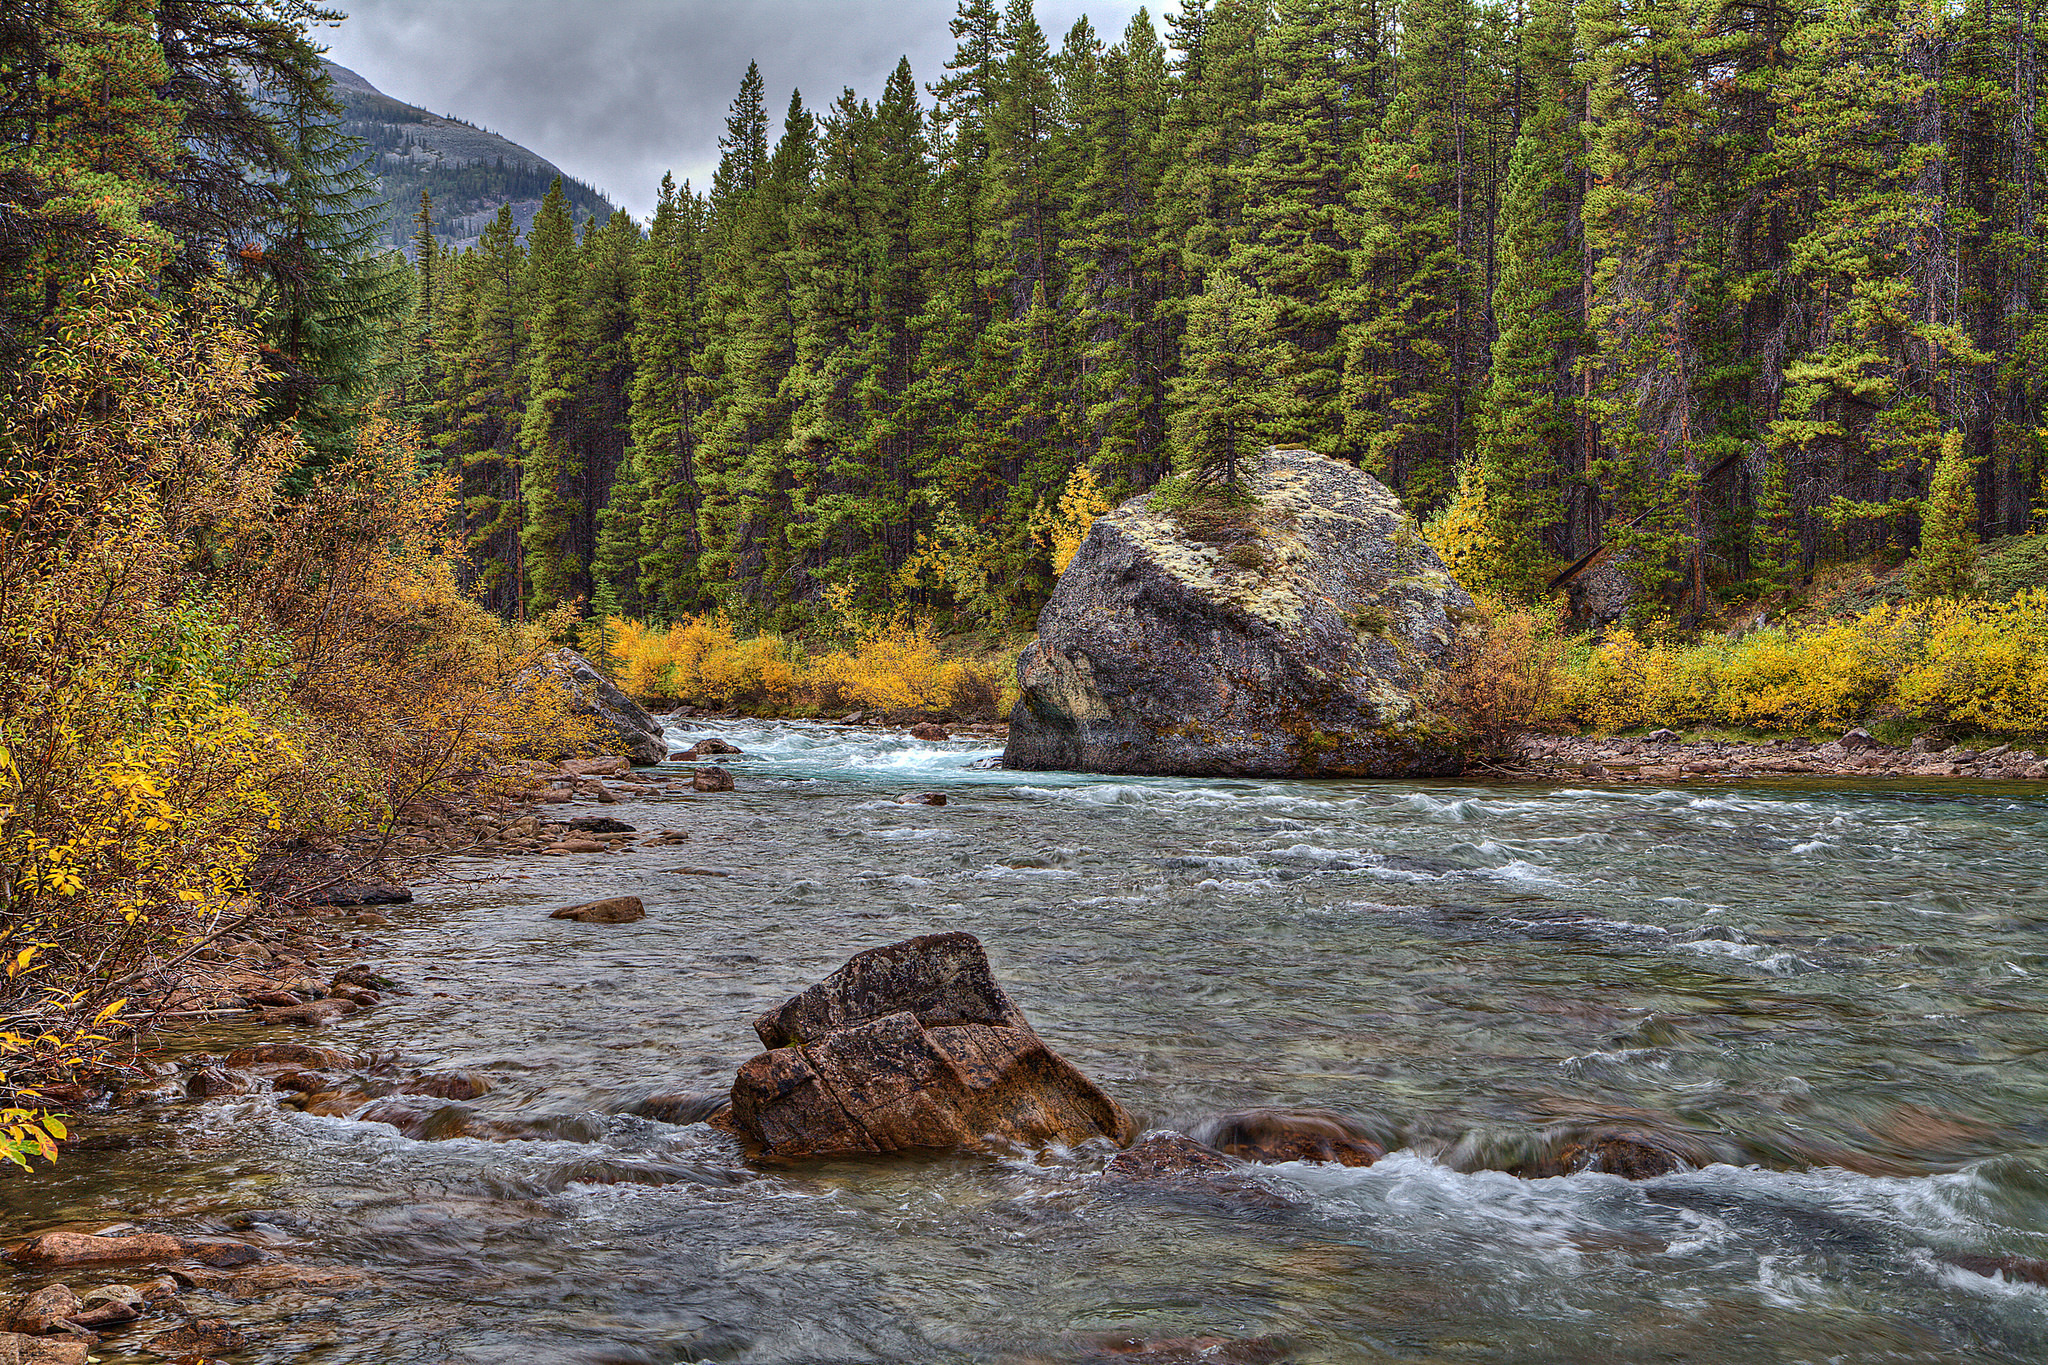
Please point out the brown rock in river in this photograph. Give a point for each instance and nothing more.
(110, 1305)
(1274, 1135)
(912, 1046)
(615, 910)
(20, 1350)
(199, 1337)
(312, 1012)
(78, 1248)
(712, 779)
(45, 1310)
(449, 1085)
(924, 729)
(1178, 1163)
(288, 1054)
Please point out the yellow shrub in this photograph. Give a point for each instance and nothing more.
(1063, 529)
(1986, 664)
(896, 666)
(1970, 662)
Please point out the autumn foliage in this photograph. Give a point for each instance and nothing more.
(196, 666)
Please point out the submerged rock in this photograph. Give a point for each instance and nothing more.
(630, 726)
(1299, 642)
(613, 910)
(1273, 1135)
(912, 1046)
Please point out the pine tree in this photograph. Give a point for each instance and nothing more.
(1532, 438)
(1297, 236)
(550, 486)
(648, 539)
(1945, 564)
(1117, 262)
(1417, 346)
(324, 297)
(483, 410)
(1227, 405)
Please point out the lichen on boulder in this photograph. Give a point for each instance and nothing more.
(1301, 642)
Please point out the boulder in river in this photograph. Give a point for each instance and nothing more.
(623, 722)
(612, 910)
(913, 1046)
(712, 778)
(1300, 637)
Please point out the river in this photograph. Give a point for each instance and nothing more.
(1838, 991)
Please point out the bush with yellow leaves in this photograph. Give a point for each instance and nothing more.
(196, 666)
(894, 665)
(1966, 662)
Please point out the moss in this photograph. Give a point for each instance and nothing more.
(1368, 620)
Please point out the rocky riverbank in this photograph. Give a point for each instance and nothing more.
(1663, 756)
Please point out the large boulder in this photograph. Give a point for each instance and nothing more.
(913, 1046)
(1296, 637)
(626, 723)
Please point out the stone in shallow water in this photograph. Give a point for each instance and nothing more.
(16, 1349)
(910, 1047)
(45, 1310)
(1273, 1135)
(78, 1248)
(614, 910)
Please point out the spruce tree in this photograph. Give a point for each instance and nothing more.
(550, 483)
(485, 364)
(1945, 564)
(1531, 433)
(1228, 405)
(326, 298)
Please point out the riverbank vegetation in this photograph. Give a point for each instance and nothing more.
(233, 629)
(892, 668)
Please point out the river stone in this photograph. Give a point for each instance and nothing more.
(712, 779)
(913, 1046)
(622, 722)
(16, 1349)
(614, 910)
(80, 1248)
(45, 1310)
(200, 1337)
(1304, 650)
(1273, 1135)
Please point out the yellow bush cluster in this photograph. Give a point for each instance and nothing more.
(197, 664)
(895, 666)
(1975, 663)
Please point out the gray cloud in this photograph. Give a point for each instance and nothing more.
(618, 91)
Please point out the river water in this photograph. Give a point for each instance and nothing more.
(1836, 994)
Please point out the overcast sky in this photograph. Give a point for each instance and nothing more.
(617, 91)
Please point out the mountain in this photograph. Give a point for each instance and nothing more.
(467, 169)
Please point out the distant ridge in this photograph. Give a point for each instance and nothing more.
(469, 171)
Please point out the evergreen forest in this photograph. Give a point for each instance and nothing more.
(1730, 287)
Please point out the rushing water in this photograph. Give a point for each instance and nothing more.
(1837, 992)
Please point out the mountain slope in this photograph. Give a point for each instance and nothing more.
(468, 170)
